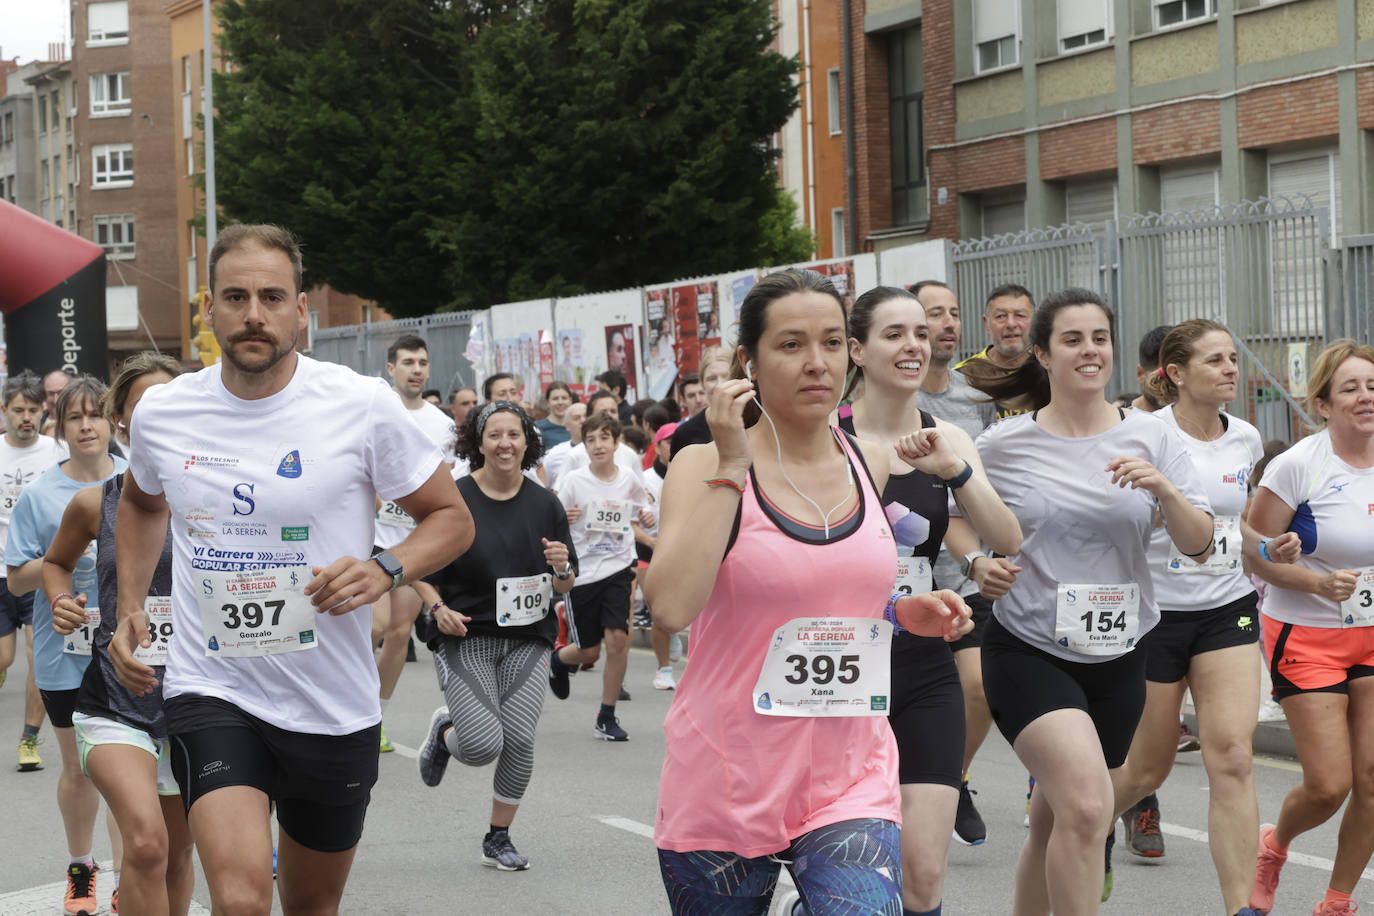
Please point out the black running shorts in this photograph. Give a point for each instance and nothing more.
(927, 716)
(1023, 683)
(1169, 648)
(321, 783)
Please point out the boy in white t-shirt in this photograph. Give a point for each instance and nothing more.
(407, 362)
(602, 500)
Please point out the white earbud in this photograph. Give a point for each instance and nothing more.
(749, 370)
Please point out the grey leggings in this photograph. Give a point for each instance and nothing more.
(494, 688)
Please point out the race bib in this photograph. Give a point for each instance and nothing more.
(913, 576)
(826, 666)
(610, 516)
(522, 600)
(394, 516)
(1097, 619)
(78, 642)
(1225, 558)
(1358, 609)
(255, 612)
(9, 495)
(159, 610)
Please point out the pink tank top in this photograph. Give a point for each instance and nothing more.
(737, 781)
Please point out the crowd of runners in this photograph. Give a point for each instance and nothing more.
(878, 552)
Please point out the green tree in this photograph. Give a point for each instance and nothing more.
(452, 155)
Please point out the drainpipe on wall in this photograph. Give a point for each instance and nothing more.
(851, 193)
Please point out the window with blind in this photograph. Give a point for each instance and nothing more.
(107, 23)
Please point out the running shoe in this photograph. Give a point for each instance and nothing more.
(28, 754)
(1267, 870)
(1187, 741)
(500, 853)
(1030, 787)
(642, 619)
(560, 610)
(558, 677)
(386, 747)
(1142, 829)
(1336, 908)
(1107, 878)
(609, 730)
(969, 828)
(80, 897)
(624, 695)
(1247, 911)
(434, 755)
(410, 649)
(664, 680)
(114, 902)
(1271, 711)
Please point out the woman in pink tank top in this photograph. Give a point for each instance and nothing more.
(774, 547)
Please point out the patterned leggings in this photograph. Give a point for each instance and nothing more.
(495, 689)
(852, 868)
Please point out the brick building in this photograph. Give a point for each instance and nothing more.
(978, 117)
(811, 166)
(125, 121)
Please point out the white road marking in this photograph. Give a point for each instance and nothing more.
(46, 898)
(1299, 858)
(404, 750)
(644, 830)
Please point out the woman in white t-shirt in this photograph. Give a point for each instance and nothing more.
(1087, 482)
(1319, 631)
(1208, 611)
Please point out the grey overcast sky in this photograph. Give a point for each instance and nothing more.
(26, 27)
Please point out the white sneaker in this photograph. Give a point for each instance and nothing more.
(675, 648)
(1271, 711)
(664, 680)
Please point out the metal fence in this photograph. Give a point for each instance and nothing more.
(1264, 268)
(362, 347)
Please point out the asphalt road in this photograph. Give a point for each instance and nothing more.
(585, 824)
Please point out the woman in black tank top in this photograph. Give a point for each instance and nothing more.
(890, 348)
(123, 737)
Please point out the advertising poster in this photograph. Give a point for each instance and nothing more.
(545, 360)
(708, 315)
(841, 273)
(620, 356)
(659, 355)
(568, 360)
(686, 345)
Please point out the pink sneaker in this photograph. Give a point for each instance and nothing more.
(1336, 908)
(1267, 870)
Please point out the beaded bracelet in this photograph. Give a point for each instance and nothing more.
(57, 598)
(724, 482)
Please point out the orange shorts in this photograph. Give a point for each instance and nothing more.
(1316, 659)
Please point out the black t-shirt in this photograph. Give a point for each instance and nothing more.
(507, 545)
(691, 431)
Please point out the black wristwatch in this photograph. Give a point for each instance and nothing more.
(390, 566)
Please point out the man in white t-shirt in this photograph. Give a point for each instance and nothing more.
(268, 465)
(24, 455)
(407, 362)
(604, 403)
(556, 458)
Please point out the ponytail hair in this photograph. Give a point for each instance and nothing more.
(1177, 349)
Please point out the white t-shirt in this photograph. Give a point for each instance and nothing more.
(393, 524)
(282, 481)
(1078, 527)
(555, 461)
(625, 458)
(1223, 465)
(614, 504)
(653, 488)
(1333, 507)
(20, 467)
